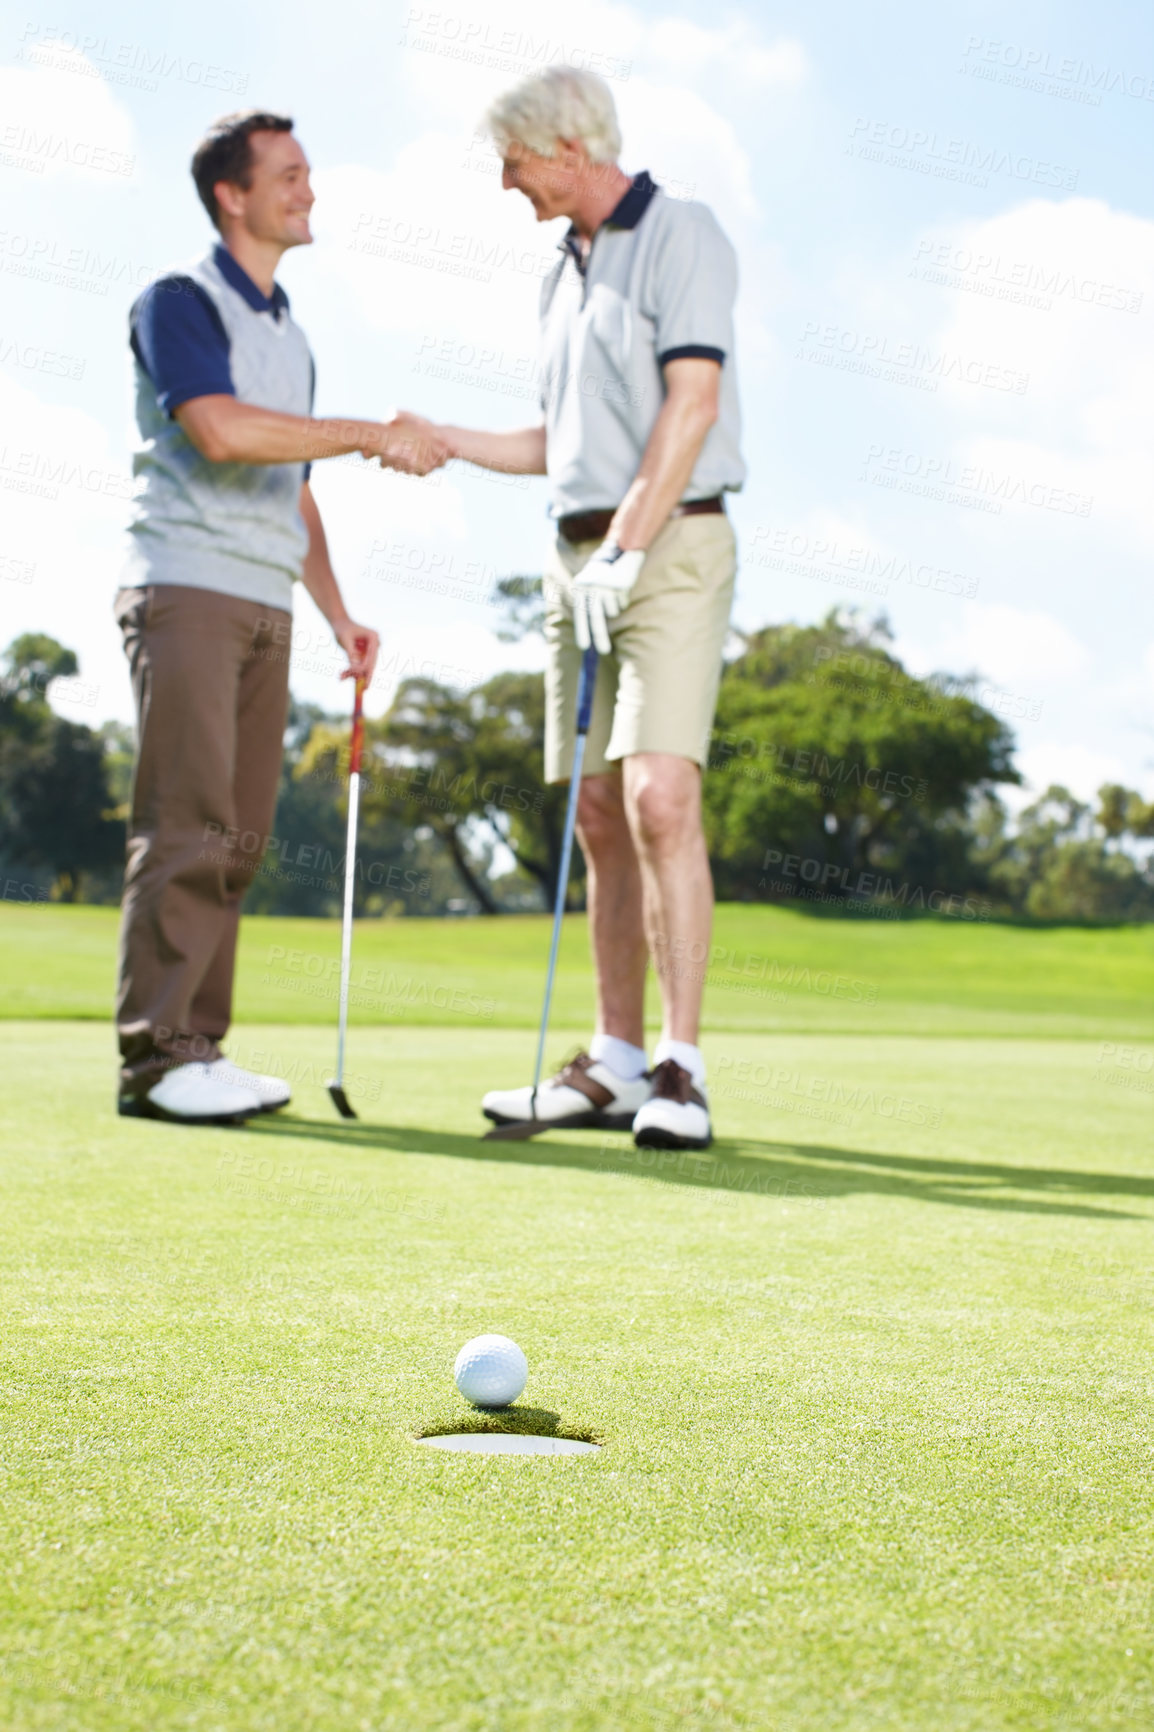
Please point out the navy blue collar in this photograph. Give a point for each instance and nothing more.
(630, 210)
(239, 279)
(626, 214)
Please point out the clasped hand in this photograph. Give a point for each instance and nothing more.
(409, 444)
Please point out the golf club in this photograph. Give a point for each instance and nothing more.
(529, 1127)
(356, 746)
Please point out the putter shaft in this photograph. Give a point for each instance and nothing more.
(559, 908)
(347, 922)
(585, 690)
(356, 747)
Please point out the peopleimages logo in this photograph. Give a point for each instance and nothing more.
(929, 152)
(792, 764)
(828, 876)
(1135, 1062)
(879, 355)
(431, 248)
(1028, 281)
(24, 147)
(942, 478)
(118, 62)
(986, 56)
(851, 567)
(856, 1097)
(716, 961)
(478, 41)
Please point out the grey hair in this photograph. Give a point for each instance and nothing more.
(564, 102)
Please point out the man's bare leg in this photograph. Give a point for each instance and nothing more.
(616, 926)
(662, 800)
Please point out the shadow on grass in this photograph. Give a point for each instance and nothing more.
(803, 1173)
(524, 1421)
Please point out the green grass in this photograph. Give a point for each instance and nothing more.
(772, 969)
(872, 1378)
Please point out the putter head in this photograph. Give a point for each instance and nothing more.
(341, 1101)
(518, 1132)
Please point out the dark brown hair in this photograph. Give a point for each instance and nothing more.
(225, 153)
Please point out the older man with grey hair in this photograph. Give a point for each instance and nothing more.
(640, 444)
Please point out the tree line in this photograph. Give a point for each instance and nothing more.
(837, 781)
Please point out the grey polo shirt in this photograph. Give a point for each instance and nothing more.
(658, 283)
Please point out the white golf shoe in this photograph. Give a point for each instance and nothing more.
(584, 1094)
(193, 1094)
(272, 1091)
(676, 1115)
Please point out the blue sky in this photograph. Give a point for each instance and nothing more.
(943, 218)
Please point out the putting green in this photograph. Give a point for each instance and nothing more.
(872, 1381)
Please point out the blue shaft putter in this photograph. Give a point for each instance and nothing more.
(530, 1127)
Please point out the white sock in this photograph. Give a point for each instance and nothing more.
(687, 1056)
(623, 1059)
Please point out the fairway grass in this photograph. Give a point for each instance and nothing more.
(872, 1380)
(771, 970)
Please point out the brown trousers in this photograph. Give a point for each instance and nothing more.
(210, 676)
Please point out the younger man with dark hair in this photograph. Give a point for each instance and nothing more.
(225, 523)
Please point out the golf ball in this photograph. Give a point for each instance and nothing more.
(490, 1371)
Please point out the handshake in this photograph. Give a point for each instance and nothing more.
(410, 444)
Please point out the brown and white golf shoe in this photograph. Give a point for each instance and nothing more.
(584, 1095)
(676, 1115)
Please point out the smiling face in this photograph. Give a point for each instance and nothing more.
(550, 183)
(275, 205)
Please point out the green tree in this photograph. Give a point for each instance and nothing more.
(522, 604)
(1055, 866)
(827, 749)
(55, 803)
(303, 869)
(1122, 812)
(119, 753)
(31, 662)
(467, 768)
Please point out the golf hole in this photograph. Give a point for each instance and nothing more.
(514, 1431)
(509, 1443)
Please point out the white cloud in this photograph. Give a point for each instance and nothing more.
(736, 46)
(1021, 650)
(1084, 421)
(65, 500)
(458, 60)
(1071, 766)
(1019, 646)
(408, 567)
(454, 653)
(690, 148)
(361, 503)
(430, 248)
(58, 474)
(60, 118)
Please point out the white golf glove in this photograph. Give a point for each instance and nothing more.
(600, 590)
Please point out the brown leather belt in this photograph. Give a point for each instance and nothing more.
(594, 525)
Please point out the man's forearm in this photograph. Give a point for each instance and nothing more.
(669, 461)
(518, 453)
(320, 580)
(359, 642)
(226, 431)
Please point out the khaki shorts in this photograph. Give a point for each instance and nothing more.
(658, 690)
